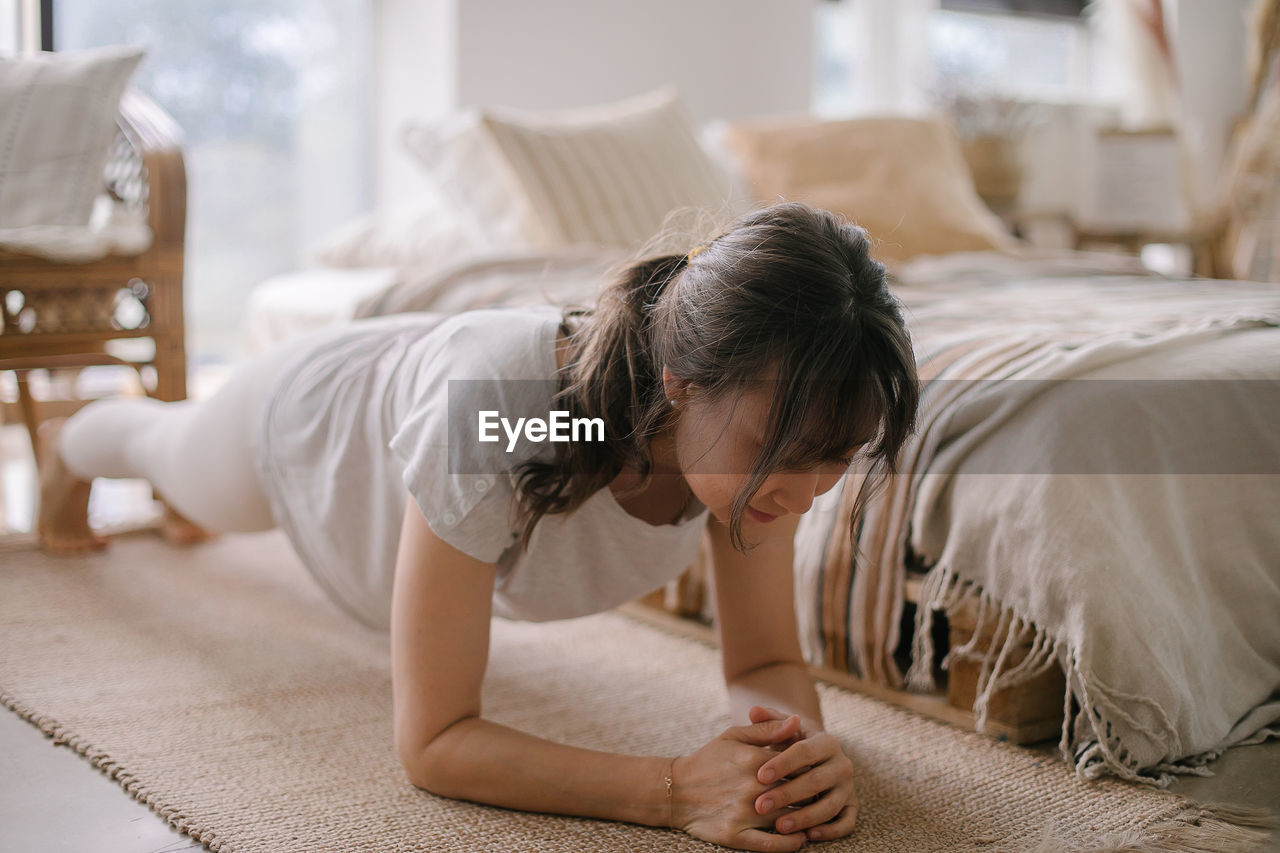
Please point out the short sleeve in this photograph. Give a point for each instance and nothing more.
(464, 485)
(473, 512)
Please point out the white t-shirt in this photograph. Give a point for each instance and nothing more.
(360, 418)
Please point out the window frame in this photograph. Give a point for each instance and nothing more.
(46, 25)
(1011, 8)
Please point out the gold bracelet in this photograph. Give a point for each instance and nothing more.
(671, 819)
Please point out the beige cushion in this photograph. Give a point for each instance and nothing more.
(904, 180)
(57, 119)
(604, 175)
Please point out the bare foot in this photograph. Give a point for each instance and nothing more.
(62, 516)
(179, 530)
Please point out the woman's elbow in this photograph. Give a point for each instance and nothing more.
(415, 768)
(427, 764)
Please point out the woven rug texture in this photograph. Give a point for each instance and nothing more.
(217, 685)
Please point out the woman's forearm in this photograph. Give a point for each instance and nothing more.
(486, 762)
(785, 686)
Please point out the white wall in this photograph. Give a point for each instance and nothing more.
(415, 74)
(729, 58)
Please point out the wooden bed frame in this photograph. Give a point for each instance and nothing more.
(1028, 713)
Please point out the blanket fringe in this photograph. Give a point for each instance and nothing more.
(1195, 828)
(942, 590)
(1090, 706)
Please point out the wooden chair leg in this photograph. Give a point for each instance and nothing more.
(171, 370)
(27, 404)
(4, 510)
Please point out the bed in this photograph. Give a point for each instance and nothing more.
(1088, 511)
(1097, 475)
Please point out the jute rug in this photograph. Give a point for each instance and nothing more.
(218, 686)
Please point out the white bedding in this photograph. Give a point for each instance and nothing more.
(292, 303)
(1112, 484)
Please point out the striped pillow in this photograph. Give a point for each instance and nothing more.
(605, 175)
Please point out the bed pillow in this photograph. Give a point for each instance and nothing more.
(463, 162)
(904, 180)
(605, 175)
(57, 119)
(429, 234)
(558, 276)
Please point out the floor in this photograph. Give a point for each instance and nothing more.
(40, 785)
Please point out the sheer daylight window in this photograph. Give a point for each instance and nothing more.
(899, 56)
(1018, 48)
(12, 21)
(273, 98)
(835, 46)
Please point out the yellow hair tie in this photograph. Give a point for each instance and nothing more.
(693, 252)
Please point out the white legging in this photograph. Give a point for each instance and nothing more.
(198, 454)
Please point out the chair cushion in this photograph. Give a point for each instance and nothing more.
(57, 120)
(113, 229)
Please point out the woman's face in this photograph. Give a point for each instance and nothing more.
(715, 445)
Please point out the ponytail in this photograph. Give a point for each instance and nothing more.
(646, 280)
(611, 375)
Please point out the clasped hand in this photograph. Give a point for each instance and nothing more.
(772, 774)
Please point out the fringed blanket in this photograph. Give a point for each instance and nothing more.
(1098, 461)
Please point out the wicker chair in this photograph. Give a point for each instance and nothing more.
(60, 316)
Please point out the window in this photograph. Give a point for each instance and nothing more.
(1020, 56)
(1061, 8)
(900, 55)
(273, 99)
(10, 26)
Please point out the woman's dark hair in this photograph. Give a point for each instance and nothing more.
(789, 287)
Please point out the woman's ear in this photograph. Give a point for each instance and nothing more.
(673, 386)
